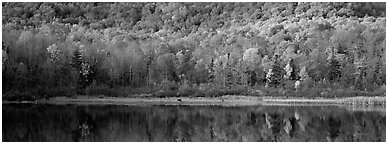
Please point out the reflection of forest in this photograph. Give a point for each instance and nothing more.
(188, 123)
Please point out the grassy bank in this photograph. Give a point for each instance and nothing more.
(203, 90)
(359, 100)
(352, 104)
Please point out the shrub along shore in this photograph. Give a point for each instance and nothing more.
(353, 103)
(207, 91)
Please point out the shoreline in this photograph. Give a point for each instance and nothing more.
(228, 100)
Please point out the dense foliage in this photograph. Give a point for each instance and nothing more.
(201, 49)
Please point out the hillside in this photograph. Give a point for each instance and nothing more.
(193, 49)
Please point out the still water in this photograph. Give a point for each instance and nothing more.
(43, 122)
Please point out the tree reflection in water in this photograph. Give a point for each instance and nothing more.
(38, 122)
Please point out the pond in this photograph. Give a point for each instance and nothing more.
(161, 123)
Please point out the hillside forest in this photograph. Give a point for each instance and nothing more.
(207, 49)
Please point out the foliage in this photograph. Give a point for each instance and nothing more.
(160, 46)
(94, 90)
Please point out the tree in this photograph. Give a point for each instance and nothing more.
(82, 68)
(274, 74)
(166, 68)
(221, 68)
(334, 69)
(252, 59)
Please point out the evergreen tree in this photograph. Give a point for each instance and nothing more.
(81, 67)
(274, 75)
(334, 70)
(211, 71)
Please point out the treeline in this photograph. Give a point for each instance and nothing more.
(201, 49)
(181, 17)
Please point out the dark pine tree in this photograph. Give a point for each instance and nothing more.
(294, 73)
(334, 70)
(77, 64)
(277, 72)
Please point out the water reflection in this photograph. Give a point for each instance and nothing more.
(39, 122)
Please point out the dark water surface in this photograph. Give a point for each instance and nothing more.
(43, 122)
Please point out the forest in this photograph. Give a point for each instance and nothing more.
(207, 49)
